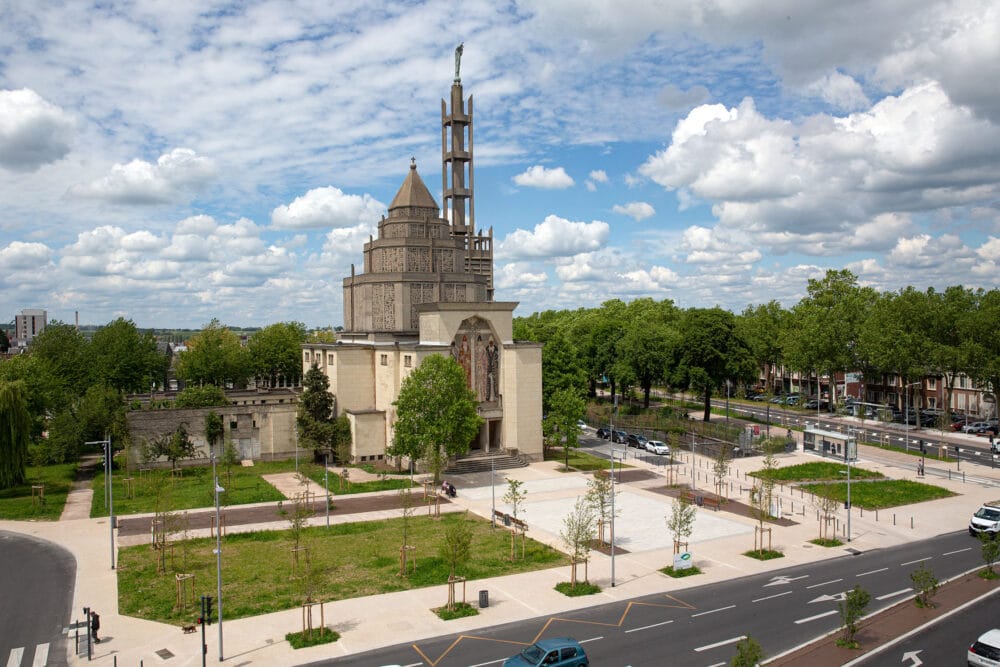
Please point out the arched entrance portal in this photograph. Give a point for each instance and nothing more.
(476, 348)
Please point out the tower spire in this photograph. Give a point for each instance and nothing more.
(457, 176)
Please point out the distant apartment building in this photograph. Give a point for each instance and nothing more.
(28, 324)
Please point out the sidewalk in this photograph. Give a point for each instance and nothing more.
(364, 623)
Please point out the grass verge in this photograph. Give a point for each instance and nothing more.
(581, 588)
(580, 461)
(820, 470)
(461, 610)
(826, 542)
(315, 638)
(343, 561)
(764, 554)
(882, 494)
(678, 574)
(17, 504)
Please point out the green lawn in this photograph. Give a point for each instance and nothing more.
(580, 460)
(192, 487)
(348, 560)
(820, 470)
(879, 495)
(16, 503)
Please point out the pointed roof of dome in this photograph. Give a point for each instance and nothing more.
(413, 192)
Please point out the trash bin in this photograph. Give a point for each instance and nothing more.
(506, 520)
(484, 599)
(699, 501)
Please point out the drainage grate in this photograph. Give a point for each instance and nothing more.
(165, 654)
(854, 552)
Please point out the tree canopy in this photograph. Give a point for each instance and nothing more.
(435, 414)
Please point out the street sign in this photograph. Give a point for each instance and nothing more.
(683, 561)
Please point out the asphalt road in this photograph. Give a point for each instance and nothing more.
(944, 643)
(699, 626)
(36, 580)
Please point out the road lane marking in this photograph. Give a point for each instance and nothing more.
(952, 553)
(825, 583)
(480, 664)
(15, 657)
(41, 655)
(713, 611)
(863, 574)
(592, 639)
(722, 643)
(784, 579)
(892, 595)
(813, 618)
(919, 560)
(647, 627)
(770, 597)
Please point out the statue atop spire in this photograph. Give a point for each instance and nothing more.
(458, 62)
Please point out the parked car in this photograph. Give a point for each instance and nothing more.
(556, 652)
(619, 437)
(582, 424)
(985, 651)
(637, 440)
(657, 447)
(976, 427)
(604, 432)
(791, 400)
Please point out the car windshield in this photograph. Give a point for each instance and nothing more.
(532, 654)
(988, 513)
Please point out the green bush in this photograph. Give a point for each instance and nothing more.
(317, 637)
(581, 588)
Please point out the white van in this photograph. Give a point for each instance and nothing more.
(986, 519)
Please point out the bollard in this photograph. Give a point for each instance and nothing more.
(862, 512)
(911, 523)
(894, 518)
(876, 515)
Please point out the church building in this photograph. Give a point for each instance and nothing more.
(427, 288)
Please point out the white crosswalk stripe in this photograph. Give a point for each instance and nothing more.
(41, 655)
(15, 657)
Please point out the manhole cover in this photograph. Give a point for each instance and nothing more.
(165, 654)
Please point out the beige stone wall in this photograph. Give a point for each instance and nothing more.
(368, 435)
(439, 325)
(521, 370)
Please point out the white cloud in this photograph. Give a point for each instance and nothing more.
(327, 207)
(173, 176)
(517, 275)
(841, 91)
(637, 210)
(826, 174)
(598, 176)
(554, 237)
(542, 177)
(20, 255)
(33, 132)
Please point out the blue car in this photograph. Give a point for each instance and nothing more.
(557, 652)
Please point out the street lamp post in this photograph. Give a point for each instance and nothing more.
(613, 459)
(727, 402)
(326, 482)
(109, 489)
(493, 489)
(218, 558)
(850, 452)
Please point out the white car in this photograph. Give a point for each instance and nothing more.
(657, 447)
(985, 652)
(976, 427)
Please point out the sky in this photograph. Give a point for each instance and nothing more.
(175, 162)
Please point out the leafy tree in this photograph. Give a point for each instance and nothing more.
(214, 356)
(826, 504)
(276, 352)
(455, 550)
(925, 584)
(709, 352)
(561, 424)
(561, 370)
(65, 435)
(62, 349)
(314, 420)
(991, 554)
(720, 468)
(209, 396)
(324, 335)
(599, 490)
(748, 653)
(515, 496)
(15, 429)
(577, 533)
(762, 328)
(173, 447)
(215, 430)
(124, 358)
(436, 414)
(4, 341)
(646, 352)
(851, 609)
(680, 521)
(41, 391)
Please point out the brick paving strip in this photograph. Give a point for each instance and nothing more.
(240, 516)
(890, 624)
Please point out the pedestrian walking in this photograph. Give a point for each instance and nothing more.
(95, 625)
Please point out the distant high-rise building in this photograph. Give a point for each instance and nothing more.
(28, 324)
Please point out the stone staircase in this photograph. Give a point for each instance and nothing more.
(481, 463)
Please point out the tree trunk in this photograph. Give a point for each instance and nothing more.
(708, 404)
(646, 387)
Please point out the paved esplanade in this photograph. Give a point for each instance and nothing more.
(720, 538)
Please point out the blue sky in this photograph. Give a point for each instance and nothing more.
(177, 162)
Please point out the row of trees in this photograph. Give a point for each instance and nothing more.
(838, 326)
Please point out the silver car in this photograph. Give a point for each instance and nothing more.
(657, 447)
